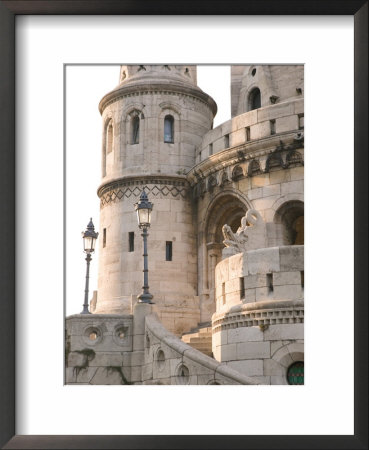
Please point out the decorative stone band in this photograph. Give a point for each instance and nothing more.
(260, 314)
(277, 152)
(164, 88)
(200, 362)
(116, 190)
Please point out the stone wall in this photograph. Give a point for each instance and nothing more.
(277, 83)
(258, 326)
(288, 117)
(137, 349)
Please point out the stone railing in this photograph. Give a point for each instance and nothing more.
(256, 125)
(171, 361)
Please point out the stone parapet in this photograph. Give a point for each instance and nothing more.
(253, 129)
(137, 349)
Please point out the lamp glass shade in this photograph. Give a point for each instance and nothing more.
(89, 244)
(143, 216)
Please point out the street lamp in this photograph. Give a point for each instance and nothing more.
(143, 208)
(89, 240)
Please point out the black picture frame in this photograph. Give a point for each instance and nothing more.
(8, 11)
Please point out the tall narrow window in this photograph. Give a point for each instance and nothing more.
(226, 141)
(272, 127)
(223, 293)
(109, 137)
(168, 251)
(301, 121)
(135, 129)
(248, 135)
(270, 282)
(104, 237)
(254, 99)
(242, 288)
(210, 149)
(131, 241)
(302, 279)
(169, 129)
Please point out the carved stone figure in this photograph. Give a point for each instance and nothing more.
(249, 236)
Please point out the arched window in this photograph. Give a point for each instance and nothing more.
(237, 173)
(135, 129)
(109, 137)
(291, 216)
(254, 99)
(169, 129)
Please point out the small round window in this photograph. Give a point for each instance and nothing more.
(295, 373)
(92, 335)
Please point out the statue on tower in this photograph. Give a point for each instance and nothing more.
(250, 235)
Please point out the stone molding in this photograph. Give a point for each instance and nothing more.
(206, 175)
(260, 314)
(117, 190)
(165, 88)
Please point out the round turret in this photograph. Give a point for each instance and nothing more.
(153, 122)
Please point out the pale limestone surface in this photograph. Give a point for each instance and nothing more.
(203, 179)
(154, 356)
(252, 326)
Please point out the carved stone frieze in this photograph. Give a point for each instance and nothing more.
(133, 188)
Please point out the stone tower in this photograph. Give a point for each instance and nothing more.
(153, 122)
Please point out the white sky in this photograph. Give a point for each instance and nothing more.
(85, 86)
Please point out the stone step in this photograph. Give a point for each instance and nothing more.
(191, 337)
(200, 340)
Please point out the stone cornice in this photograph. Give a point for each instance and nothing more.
(155, 186)
(260, 314)
(157, 87)
(239, 153)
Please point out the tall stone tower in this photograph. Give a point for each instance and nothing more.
(153, 122)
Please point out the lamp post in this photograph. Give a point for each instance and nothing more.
(89, 240)
(143, 208)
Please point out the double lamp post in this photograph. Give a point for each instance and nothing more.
(143, 208)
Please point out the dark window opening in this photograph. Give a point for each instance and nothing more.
(210, 149)
(248, 135)
(104, 237)
(226, 141)
(254, 99)
(131, 241)
(253, 73)
(242, 288)
(270, 282)
(169, 129)
(135, 130)
(301, 121)
(168, 251)
(272, 127)
(302, 279)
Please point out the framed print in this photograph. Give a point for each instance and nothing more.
(61, 378)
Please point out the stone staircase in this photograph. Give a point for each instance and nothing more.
(200, 338)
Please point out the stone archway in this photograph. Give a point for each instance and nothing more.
(290, 216)
(226, 208)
